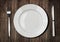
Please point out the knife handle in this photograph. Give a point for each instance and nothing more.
(53, 28)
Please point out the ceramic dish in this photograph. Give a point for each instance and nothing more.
(30, 20)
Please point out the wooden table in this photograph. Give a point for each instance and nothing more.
(13, 5)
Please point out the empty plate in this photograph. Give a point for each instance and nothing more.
(30, 20)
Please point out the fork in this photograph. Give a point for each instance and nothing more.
(8, 14)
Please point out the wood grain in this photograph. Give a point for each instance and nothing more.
(57, 20)
(14, 5)
(56, 3)
(3, 21)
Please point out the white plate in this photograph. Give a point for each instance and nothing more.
(30, 20)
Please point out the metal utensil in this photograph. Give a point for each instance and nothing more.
(8, 14)
(53, 22)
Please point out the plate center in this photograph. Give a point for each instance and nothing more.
(30, 20)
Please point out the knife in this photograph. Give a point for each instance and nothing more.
(53, 22)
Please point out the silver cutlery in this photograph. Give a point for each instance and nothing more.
(53, 22)
(8, 14)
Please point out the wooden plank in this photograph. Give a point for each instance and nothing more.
(57, 20)
(3, 21)
(56, 3)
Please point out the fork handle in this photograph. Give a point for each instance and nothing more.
(9, 26)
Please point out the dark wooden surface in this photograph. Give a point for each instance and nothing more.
(57, 20)
(13, 5)
(3, 22)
